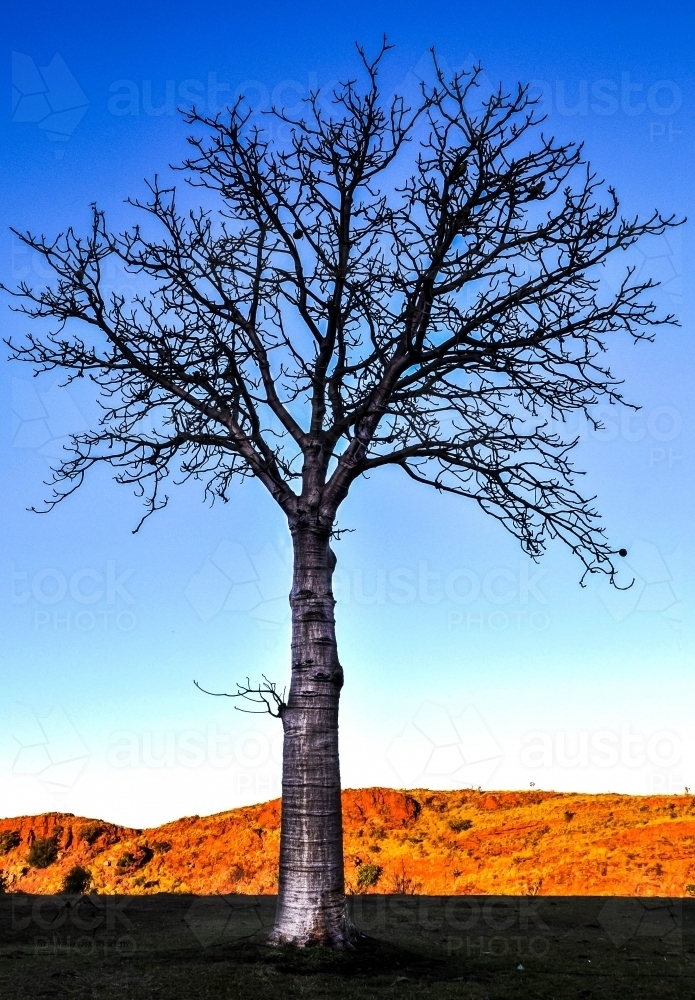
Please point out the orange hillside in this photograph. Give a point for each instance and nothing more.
(436, 843)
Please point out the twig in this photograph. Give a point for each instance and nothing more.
(264, 694)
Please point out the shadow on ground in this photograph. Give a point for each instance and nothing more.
(468, 947)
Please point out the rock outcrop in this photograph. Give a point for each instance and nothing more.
(436, 843)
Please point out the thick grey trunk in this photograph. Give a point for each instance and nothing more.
(311, 906)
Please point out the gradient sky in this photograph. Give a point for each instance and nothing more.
(465, 664)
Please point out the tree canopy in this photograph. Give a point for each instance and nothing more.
(393, 285)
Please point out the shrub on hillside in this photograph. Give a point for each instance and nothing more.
(161, 846)
(43, 852)
(459, 825)
(91, 832)
(9, 839)
(368, 875)
(77, 881)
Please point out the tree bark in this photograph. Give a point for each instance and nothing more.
(311, 906)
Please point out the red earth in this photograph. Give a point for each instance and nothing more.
(420, 841)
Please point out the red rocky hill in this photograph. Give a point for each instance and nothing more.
(437, 843)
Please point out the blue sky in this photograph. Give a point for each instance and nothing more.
(465, 664)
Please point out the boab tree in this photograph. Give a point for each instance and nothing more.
(390, 286)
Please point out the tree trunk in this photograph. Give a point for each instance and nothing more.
(311, 906)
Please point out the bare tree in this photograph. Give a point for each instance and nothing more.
(393, 285)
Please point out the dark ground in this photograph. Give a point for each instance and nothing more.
(469, 947)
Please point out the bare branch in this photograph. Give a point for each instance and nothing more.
(262, 694)
(323, 320)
